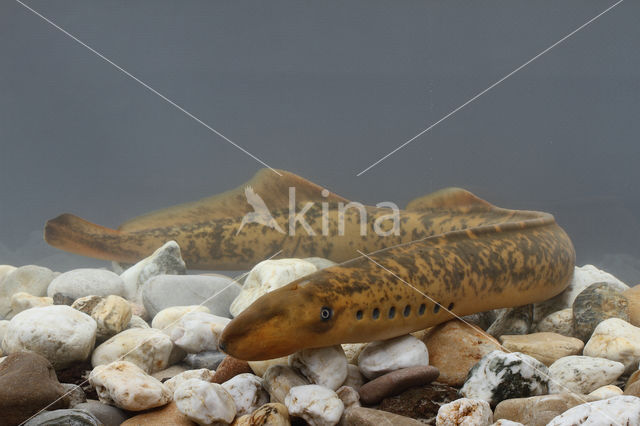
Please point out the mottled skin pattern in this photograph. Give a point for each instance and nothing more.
(481, 258)
(453, 251)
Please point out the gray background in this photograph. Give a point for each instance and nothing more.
(322, 89)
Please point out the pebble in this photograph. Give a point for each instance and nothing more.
(272, 414)
(198, 331)
(320, 262)
(111, 313)
(632, 389)
(454, 347)
(229, 368)
(201, 374)
(74, 394)
(633, 297)
(619, 410)
(499, 376)
(260, 367)
(168, 415)
(323, 366)
(361, 416)
(560, 322)
(27, 384)
(606, 392)
(316, 404)
(267, 276)
(107, 414)
(64, 417)
(216, 292)
(170, 372)
(354, 379)
(137, 322)
(545, 347)
(421, 403)
(208, 359)
(78, 283)
(537, 410)
(127, 386)
(395, 382)
(503, 422)
(616, 340)
(349, 396)
(59, 333)
(30, 279)
(23, 301)
(279, 379)
(205, 402)
(582, 374)
(164, 261)
(148, 348)
(247, 392)
(595, 304)
(384, 356)
(512, 321)
(6, 270)
(352, 351)
(465, 411)
(167, 318)
(583, 277)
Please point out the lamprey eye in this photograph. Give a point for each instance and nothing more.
(325, 313)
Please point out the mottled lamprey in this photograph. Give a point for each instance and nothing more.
(464, 253)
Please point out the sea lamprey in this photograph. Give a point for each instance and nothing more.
(451, 253)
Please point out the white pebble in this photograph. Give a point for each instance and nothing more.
(323, 366)
(167, 318)
(316, 404)
(23, 301)
(606, 392)
(582, 374)
(616, 340)
(126, 386)
(59, 333)
(147, 348)
(384, 356)
(201, 374)
(30, 279)
(247, 392)
(198, 331)
(619, 410)
(465, 412)
(267, 276)
(205, 403)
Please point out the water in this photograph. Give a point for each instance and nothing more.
(323, 90)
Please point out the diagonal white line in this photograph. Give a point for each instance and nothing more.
(235, 281)
(145, 85)
(484, 333)
(590, 21)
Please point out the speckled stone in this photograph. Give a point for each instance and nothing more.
(316, 404)
(395, 382)
(619, 410)
(560, 322)
(420, 403)
(465, 411)
(272, 414)
(512, 321)
(454, 347)
(111, 313)
(499, 376)
(582, 374)
(633, 298)
(616, 340)
(537, 410)
(595, 304)
(545, 347)
(247, 392)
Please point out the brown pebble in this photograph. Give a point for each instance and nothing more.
(395, 382)
(229, 368)
(166, 415)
